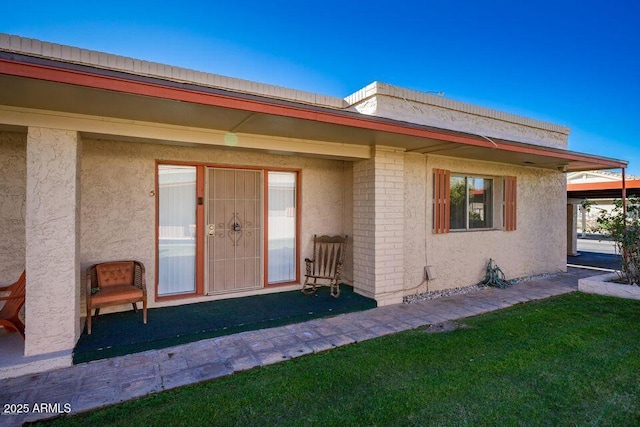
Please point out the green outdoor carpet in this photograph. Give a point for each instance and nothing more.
(117, 334)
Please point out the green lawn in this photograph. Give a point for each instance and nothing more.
(571, 360)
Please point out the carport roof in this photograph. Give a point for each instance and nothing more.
(603, 190)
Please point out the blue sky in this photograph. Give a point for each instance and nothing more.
(575, 63)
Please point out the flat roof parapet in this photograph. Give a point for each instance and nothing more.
(408, 95)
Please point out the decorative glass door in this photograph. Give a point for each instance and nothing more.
(233, 230)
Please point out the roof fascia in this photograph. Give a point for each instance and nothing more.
(158, 88)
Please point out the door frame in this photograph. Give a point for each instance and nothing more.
(201, 288)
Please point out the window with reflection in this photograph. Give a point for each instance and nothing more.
(471, 202)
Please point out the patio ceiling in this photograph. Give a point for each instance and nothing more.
(43, 84)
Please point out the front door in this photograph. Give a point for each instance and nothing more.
(233, 213)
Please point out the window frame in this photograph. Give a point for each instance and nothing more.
(298, 212)
(490, 203)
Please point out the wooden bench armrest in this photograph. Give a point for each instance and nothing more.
(143, 281)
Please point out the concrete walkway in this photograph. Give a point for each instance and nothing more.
(106, 382)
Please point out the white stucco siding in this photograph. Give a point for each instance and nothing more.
(13, 181)
(444, 118)
(415, 226)
(119, 209)
(397, 103)
(459, 258)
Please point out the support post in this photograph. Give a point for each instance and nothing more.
(378, 225)
(52, 225)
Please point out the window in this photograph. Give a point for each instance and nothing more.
(471, 201)
(467, 202)
(176, 230)
(282, 227)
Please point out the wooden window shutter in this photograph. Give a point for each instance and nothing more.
(441, 212)
(510, 202)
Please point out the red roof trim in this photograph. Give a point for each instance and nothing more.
(119, 84)
(609, 185)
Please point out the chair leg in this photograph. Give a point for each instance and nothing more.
(135, 307)
(308, 289)
(13, 324)
(334, 285)
(20, 327)
(144, 310)
(88, 321)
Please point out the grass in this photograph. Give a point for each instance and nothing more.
(570, 360)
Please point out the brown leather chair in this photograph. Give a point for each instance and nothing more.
(9, 315)
(115, 283)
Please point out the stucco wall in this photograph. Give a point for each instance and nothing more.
(52, 242)
(459, 258)
(118, 210)
(415, 226)
(444, 118)
(13, 181)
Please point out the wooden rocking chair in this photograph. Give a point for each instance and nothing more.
(9, 315)
(328, 256)
(115, 283)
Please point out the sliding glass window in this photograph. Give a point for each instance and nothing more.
(471, 201)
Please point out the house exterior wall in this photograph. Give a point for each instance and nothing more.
(416, 232)
(13, 187)
(459, 258)
(119, 210)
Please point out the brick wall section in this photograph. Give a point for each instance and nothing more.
(378, 225)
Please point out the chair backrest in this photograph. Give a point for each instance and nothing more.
(16, 297)
(328, 252)
(115, 273)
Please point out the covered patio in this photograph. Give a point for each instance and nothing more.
(122, 333)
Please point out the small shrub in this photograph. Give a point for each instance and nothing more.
(625, 231)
